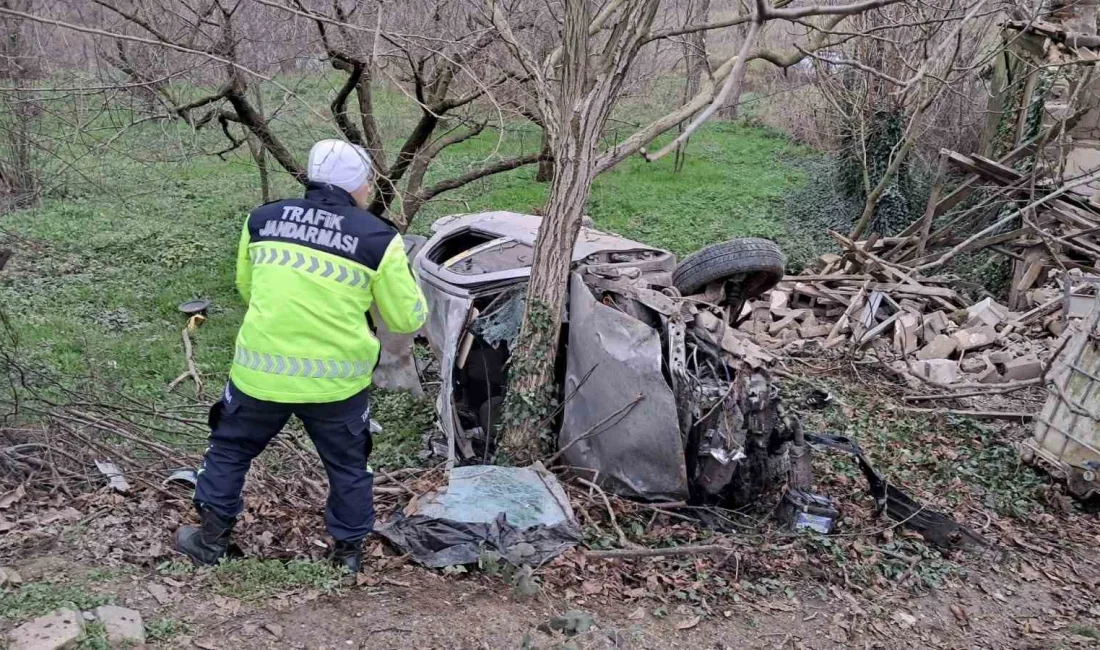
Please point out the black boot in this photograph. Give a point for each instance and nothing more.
(206, 544)
(348, 554)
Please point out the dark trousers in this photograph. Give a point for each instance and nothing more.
(242, 426)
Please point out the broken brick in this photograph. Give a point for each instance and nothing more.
(905, 332)
(987, 312)
(937, 371)
(940, 347)
(975, 337)
(1027, 367)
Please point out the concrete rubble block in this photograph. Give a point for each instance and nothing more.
(986, 312)
(934, 324)
(941, 347)
(783, 323)
(788, 335)
(123, 625)
(1023, 368)
(1080, 306)
(779, 299)
(972, 365)
(1041, 296)
(708, 321)
(906, 330)
(814, 331)
(58, 630)
(828, 258)
(902, 368)
(937, 371)
(990, 376)
(975, 338)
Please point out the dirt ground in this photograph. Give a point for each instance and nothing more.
(874, 584)
(1014, 601)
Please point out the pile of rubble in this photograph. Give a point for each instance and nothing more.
(895, 297)
(923, 328)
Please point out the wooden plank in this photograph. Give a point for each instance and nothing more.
(930, 207)
(916, 290)
(824, 278)
(996, 170)
(877, 330)
(964, 189)
(1026, 273)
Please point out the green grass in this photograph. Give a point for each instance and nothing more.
(153, 220)
(164, 629)
(38, 598)
(94, 637)
(958, 461)
(1088, 631)
(254, 579)
(404, 417)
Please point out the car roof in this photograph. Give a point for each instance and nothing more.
(523, 228)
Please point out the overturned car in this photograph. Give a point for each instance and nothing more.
(663, 398)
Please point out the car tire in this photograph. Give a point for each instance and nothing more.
(758, 261)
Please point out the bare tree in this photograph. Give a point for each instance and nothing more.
(444, 65)
(576, 88)
(19, 110)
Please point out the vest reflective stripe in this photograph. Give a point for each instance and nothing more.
(300, 367)
(350, 276)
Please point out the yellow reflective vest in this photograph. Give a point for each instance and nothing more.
(310, 269)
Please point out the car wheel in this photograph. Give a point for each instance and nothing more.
(754, 264)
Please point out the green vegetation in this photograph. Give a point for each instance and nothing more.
(1088, 631)
(164, 629)
(153, 220)
(94, 637)
(254, 579)
(38, 598)
(918, 453)
(404, 417)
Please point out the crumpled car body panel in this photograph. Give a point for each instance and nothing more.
(635, 419)
(634, 446)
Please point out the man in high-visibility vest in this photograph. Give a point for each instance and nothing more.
(310, 269)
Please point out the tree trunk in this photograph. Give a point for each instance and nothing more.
(695, 64)
(531, 384)
(546, 161)
(259, 152)
(729, 111)
(574, 135)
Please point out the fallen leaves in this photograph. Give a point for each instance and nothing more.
(687, 624)
(905, 620)
(12, 497)
(158, 592)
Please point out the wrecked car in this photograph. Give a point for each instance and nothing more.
(663, 398)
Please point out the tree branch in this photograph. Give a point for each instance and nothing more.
(248, 116)
(144, 24)
(824, 10)
(528, 62)
(480, 172)
(387, 185)
(648, 133)
(731, 87)
(339, 105)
